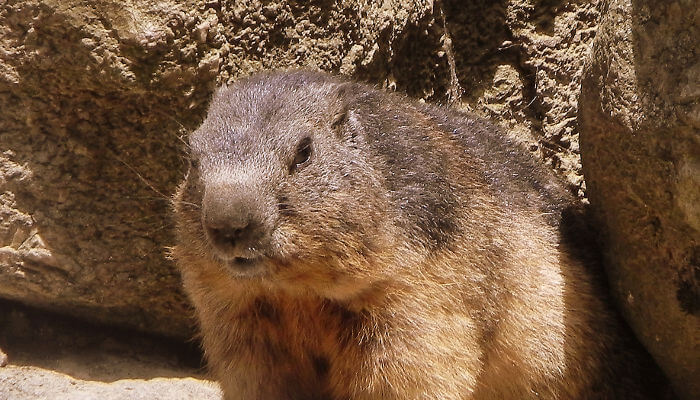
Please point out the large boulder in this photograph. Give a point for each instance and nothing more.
(91, 101)
(640, 142)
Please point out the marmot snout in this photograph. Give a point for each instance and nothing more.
(235, 222)
(340, 242)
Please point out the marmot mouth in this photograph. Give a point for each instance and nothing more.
(245, 261)
(247, 266)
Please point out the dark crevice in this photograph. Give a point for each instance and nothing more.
(688, 292)
(30, 336)
(534, 108)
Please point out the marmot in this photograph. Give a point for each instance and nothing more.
(341, 242)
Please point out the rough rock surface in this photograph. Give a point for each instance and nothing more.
(94, 96)
(88, 93)
(640, 140)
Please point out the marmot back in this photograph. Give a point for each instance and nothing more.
(340, 242)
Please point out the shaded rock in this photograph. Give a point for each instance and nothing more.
(640, 142)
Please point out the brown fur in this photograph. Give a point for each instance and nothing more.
(416, 254)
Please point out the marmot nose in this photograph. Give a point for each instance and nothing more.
(224, 236)
(231, 222)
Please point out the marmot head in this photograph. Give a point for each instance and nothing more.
(282, 184)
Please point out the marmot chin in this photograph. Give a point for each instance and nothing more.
(341, 242)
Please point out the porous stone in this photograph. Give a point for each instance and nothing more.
(640, 145)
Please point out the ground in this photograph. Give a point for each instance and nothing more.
(54, 357)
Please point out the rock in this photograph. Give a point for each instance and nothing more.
(543, 48)
(640, 144)
(89, 152)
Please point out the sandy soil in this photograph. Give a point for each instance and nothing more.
(53, 357)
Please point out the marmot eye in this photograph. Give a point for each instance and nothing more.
(194, 163)
(302, 154)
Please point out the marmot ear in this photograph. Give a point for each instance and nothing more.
(342, 108)
(339, 119)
